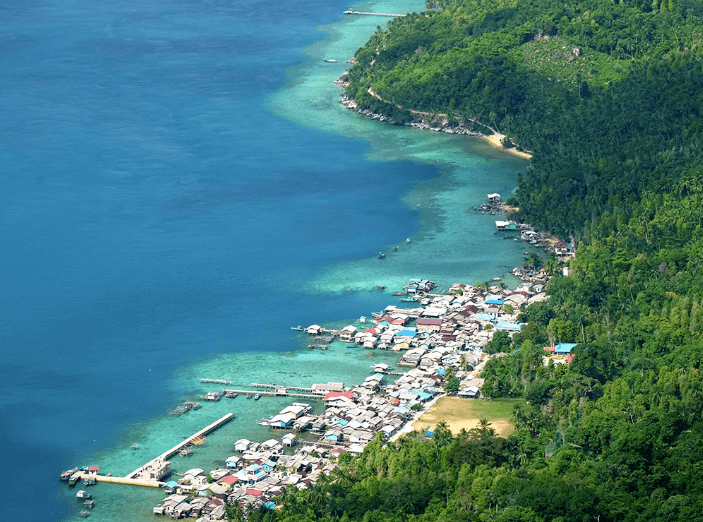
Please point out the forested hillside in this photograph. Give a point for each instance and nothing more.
(608, 96)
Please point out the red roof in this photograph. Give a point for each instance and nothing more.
(255, 492)
(229, 479)
(370, 330)
(331, 395)
(93, 468)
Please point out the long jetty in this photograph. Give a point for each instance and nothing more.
(169, 453)
(352, 12)
(279, 392)
(279, 386)
(131, 481)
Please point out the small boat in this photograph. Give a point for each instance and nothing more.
(135, 446)
(407, 240)
(84, 514)
(231, 395)
(89, 504)
(75, 478)
(331, 61)
(381, 255)
(67, 474)
(248, 395)
(82, 495)
(496, 279)
(398, 293)
(257, 397)
(395, 248)
(89, 482)
(297, 328)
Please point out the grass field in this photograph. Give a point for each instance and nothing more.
(466, 413)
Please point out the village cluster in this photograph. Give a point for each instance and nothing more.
(442, 337)
(444, 334)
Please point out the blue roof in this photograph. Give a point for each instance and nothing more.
(564, 347)
(483, 317)
(495, 302)
(569, 245)
(406, 333)
(508, 326)
(343, 422)
(269, 505)
(171, 484)
(401, 409)
(441, 371)
(384, 323)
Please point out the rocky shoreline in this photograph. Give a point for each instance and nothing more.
(418, 123)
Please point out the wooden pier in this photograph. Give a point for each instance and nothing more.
(352, 12)
(279, 392)
(169, 453)
(279, 386)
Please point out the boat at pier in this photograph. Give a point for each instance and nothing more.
(75, 478)
(257, 397)
(298, 328)
(67, 474)
(89, 481)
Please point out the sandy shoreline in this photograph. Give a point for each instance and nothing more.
(496, 140)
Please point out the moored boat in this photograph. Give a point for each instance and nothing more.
(75, 478)
(257, 397)
(67, 474)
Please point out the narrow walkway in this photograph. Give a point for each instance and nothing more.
(351, 12)
(180, 445)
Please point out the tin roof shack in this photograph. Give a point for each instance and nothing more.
(506, 226)
(242, 445)
(471, 392)
(346, 334)
(321, 389)
(429, 324)
(289, 440)
(314, 329)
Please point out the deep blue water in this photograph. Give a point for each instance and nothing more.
(153, 212)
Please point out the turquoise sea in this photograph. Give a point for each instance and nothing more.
(179, 187)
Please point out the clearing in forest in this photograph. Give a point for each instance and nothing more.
(466, 413)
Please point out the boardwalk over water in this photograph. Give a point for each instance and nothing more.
(279, 392)
(131, 481)
(351, 12)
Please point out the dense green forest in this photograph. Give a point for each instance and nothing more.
(607, 95)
